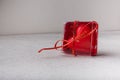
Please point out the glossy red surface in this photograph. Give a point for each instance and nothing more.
(86, 45)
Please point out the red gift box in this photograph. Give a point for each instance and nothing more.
(87, 33)
(79, 38)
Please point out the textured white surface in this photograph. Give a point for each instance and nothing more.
(19, 59)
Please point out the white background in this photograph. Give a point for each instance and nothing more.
(43, 16)
(19, 59)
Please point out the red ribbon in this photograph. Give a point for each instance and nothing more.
(74, 38)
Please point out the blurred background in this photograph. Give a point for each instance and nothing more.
(49, 16)
(19, 58)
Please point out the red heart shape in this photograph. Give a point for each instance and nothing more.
(83, 45)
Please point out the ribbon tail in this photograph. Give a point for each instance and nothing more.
(55, 46)
(45, 49)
